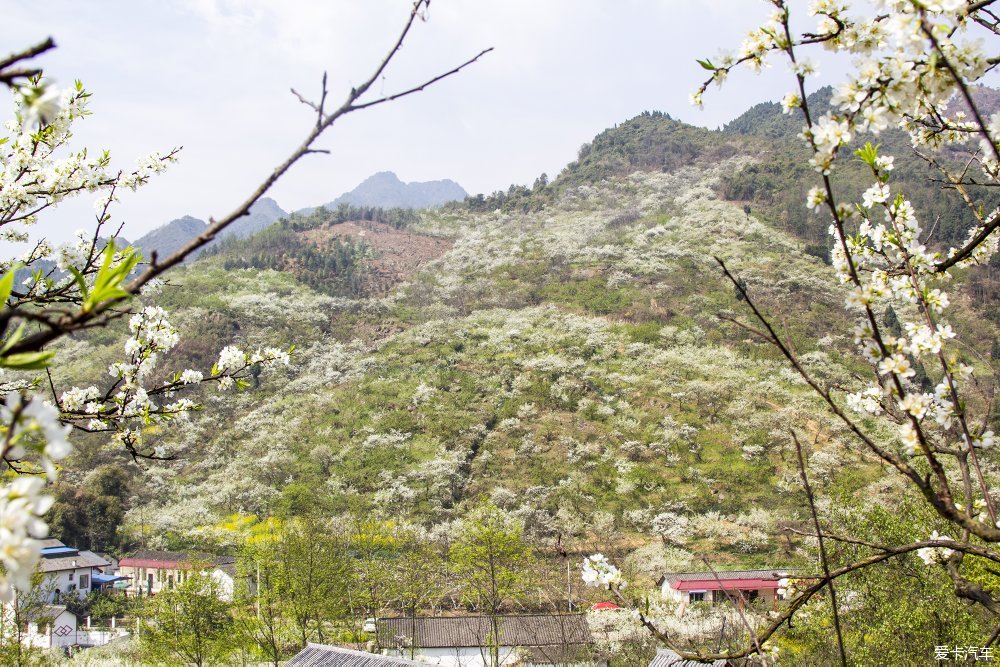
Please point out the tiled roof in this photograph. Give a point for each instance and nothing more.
(82, 559)
(570, 654)
(50, 543)
(321, 655)
(453, 631)
(667, 658)
(227, 568)
(49, 611)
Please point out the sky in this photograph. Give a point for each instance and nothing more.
(214, 76)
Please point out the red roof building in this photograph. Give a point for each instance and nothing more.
(741, 586)
(152, 571)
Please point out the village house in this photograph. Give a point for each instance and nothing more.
(744, 586)
(463, 641)
(150, 572)
(51, 626)
(68, 570)
(224, 575)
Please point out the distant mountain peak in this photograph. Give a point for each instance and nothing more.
(167, 239)
(386, 189)
(384, 176)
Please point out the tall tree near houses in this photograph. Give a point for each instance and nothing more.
(261, 621)
(189, 622)
(28, 606)
(417, 579)
(313, 576)
(373, 543)
(494, 564)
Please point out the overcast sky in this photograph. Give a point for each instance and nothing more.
(214, 77)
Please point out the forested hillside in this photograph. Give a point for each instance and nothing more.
(562, 352)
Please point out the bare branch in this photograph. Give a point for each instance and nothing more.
(8, 76)
(822, 549)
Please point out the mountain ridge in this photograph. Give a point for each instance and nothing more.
(382, 189)
(172, 236)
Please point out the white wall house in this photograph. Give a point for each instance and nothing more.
(224, 575)
(743, 586)
(463, 641)
(53, 626)
(68, 570)
(150, 572)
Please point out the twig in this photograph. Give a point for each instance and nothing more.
(8, 76)
(822, 549)
(739, 607)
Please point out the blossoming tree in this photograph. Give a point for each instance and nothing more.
(53, 291)
(916, 62)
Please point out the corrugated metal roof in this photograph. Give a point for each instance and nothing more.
(49, 611)
(667, 658)
(571, 654)
(82, 559)
(321, 655)
(454, 631)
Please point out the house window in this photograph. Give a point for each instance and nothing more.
(71, 575)
(84, 582)
(750, 596)
(170, 581)
(696, 596)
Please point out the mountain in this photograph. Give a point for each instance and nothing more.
(170, 237)
(386, 190)
(557, 349)
(563, 358)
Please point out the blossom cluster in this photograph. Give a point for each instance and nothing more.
(598, 571)
(30, 425)
(931, 555)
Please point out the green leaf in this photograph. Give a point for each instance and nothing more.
(868, 154)
(80, 282)
(7, 283)
(27, 361)
(109, 278)
(707, 65)
(13, 338)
